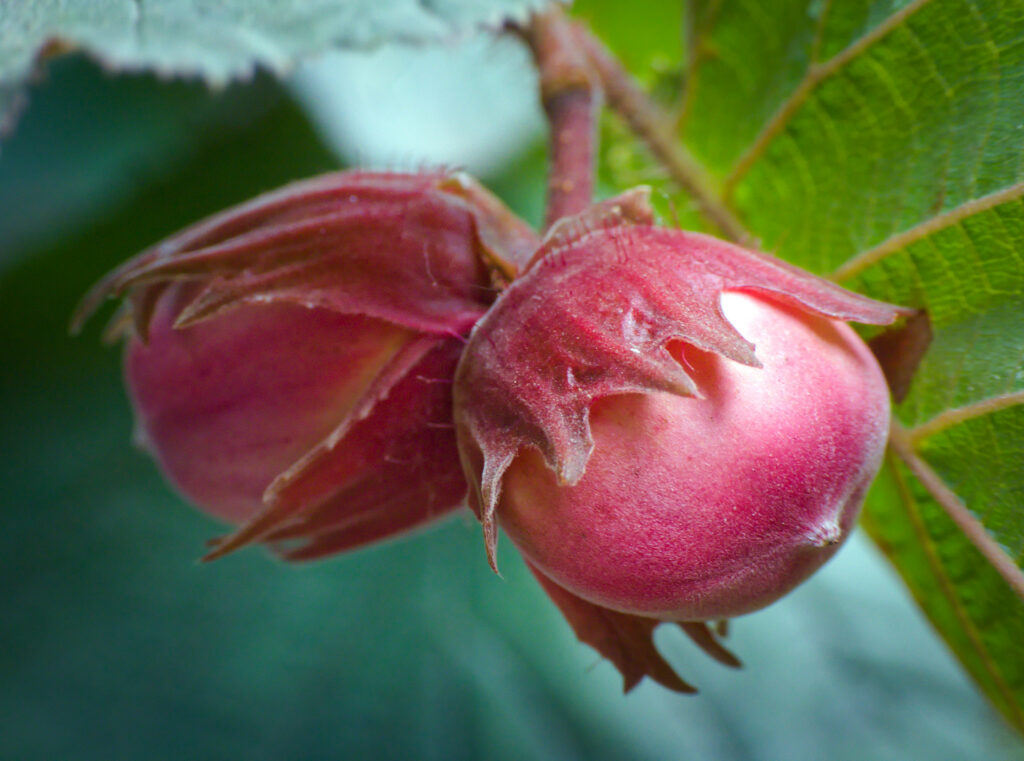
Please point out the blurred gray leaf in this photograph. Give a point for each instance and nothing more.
(221, 40)
(472, 104)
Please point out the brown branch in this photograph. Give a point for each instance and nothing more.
(648, 121)
(974, 530)
(572, 101)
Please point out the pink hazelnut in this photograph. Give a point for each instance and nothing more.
(290, 360)
(697, 508)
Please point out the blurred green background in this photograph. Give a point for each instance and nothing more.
(118, 645)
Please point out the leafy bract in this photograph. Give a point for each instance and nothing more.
(343, 241)
(219, 41)
(879, 142)
(627, 640)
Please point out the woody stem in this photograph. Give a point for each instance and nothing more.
(655, 128)
(572, 101)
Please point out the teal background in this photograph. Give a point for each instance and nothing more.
(117, 644)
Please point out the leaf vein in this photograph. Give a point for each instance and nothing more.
(948, 589)
(816, 74)
(957, 511)
(694, 33)
(949, 418)
(861, 261)
(819, 31)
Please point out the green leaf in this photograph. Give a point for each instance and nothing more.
(221, 40)
(880, 143)
(964, 597)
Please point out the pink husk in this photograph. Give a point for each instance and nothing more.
(290, 358)
(410, 249)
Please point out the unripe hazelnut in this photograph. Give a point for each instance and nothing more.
(697, 508)
(290, 360)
